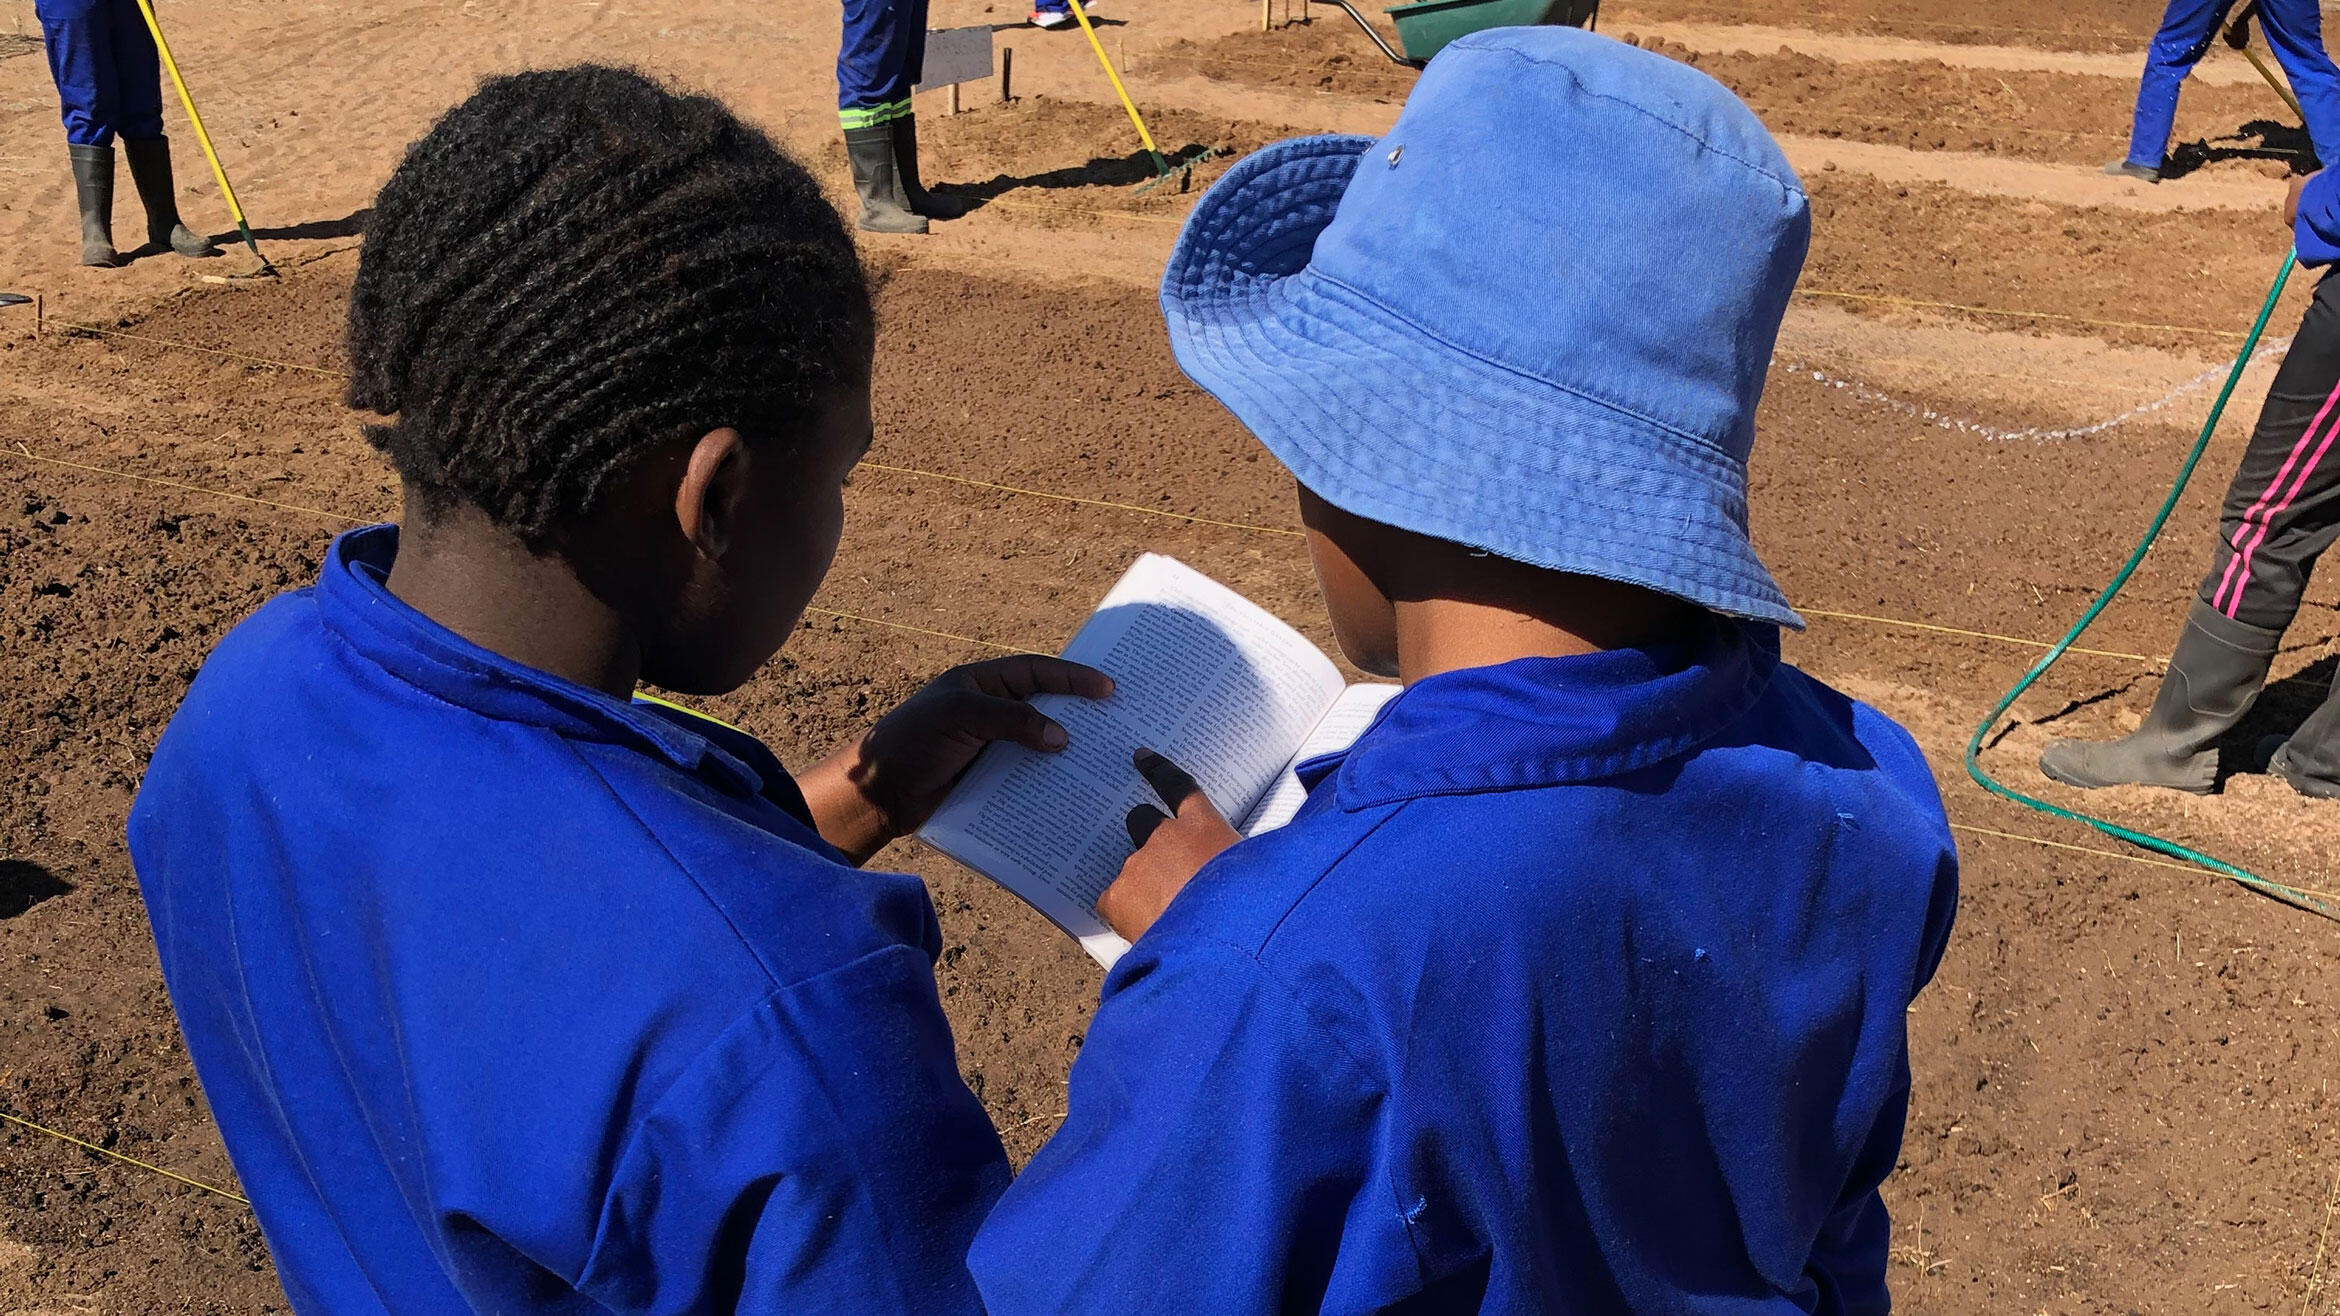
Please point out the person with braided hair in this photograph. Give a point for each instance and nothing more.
(880, 58)
(513, 990)
(109, 85)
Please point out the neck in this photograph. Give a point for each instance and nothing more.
(1530, 613)
(484, 584)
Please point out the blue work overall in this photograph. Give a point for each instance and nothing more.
(882, 56)
(109, 80)
(2294, 30)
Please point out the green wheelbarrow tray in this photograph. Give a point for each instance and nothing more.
(1424, 29)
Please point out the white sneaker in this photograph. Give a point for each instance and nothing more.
(1052, 19)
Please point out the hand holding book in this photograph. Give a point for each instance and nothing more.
(1171, 847)
(890, 781)
(1203, 677)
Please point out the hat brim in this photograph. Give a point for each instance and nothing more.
(1384, 419)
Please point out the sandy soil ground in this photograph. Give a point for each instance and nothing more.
(2122, 1072)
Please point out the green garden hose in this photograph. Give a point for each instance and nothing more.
(2162, 845)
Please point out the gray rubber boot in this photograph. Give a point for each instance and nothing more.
(885, 206)
(922, 202)
(2310, 760)
(2216, 672)
(150, 169)
(93, 185)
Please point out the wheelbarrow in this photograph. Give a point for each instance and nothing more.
(1425, 28)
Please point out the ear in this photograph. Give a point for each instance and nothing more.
(707, 501)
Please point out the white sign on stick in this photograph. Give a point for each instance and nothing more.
(956, 54)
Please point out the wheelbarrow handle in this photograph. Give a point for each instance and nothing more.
(1375, 34)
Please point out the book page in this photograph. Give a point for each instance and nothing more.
(1346, 720)
(1201, 675)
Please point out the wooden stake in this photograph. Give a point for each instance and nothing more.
(1007, 69)
(1266, 15)
(954, 109)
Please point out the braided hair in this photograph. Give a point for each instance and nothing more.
(578, 265)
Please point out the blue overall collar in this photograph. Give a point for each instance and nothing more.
(356, 605)
(1553, 721)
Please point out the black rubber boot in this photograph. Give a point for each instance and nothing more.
(2310, 760)
(150, 169)
(2216, 672)
(93, 184)
(922, 202)
(885, 206)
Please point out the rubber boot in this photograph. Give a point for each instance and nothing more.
(93, 185)
(922, 202)
(2216, 672)
(885, 207)
(150, 169)
(2310, 759)
(2142, 173)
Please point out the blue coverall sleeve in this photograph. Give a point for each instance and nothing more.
(2317, 230)
(823, 1156)
(1217, 1157)
(1849, 1258)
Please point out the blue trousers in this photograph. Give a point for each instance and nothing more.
(882, 56)
(2294, 31)
(109, 80)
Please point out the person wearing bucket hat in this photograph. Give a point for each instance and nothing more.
(1578, 984)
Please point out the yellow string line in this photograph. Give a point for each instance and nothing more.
(29, 455)
(2019, 315)
(2115, 854)
(920, 630)
(1009, 648)
(1273, 530)
(1074, 498)
(21, 451)
(1972, 635)
(197, 347)
(127, 1160)
(1040, 208)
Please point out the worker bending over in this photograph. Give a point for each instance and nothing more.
(880, 59)
(2294, 32)
(2282, 512)
(109, 82)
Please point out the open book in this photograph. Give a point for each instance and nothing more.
(1203, 676)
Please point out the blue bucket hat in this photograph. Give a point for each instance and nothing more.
(1534, 319)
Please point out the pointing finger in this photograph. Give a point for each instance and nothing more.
(1168, 780)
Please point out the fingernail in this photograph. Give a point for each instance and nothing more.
(1052, 736)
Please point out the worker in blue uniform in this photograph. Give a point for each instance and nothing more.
(879, 59)
(109, 82)
(514, 992)
(2295, 33)
(1578, 985)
